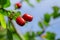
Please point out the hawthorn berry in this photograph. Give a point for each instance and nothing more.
(27, 17)
(18, 5)
(20, 21)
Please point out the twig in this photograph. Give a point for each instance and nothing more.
(19, 34)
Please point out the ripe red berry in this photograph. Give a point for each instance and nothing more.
(18, 5)
(20, 21)
(27, 17)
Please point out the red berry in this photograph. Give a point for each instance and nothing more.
(20, 21)
(18, 5)
(27, 17)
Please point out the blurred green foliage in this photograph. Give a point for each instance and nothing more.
(9, 32)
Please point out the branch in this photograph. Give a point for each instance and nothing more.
(9, 19)
(42, 32)
(19, 34)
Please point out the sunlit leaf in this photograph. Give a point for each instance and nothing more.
(2, 20)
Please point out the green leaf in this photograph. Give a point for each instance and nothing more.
(55, 9)
(39, 33)
(16, 37)
(10, 27)
(2, 20)
(55, 15)
(9, 35)
(38, 1)
(29, 36)
(45, 23)
(3, 12)
(5, 3)
(2, 33)
(28, 2)
(50, 36)
(16, 15)
(33, 35)
(40, 25)
(47, 17)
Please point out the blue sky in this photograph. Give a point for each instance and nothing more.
(45, 6)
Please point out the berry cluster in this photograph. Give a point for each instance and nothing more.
(25, 18)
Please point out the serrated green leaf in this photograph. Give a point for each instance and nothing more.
(40, 25)
(2, 20)
(38, 1)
